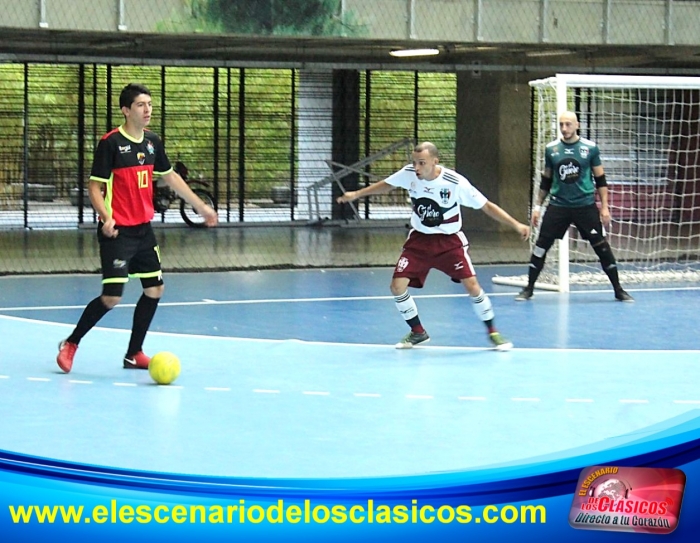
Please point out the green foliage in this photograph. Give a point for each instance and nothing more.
(184, 115)
(277, 17)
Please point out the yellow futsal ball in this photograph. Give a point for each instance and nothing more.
(164, 367)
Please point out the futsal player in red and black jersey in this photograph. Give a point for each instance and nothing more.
(121, 192)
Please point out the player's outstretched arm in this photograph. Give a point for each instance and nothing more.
(380, 187)
(500, 215)
(183, 190)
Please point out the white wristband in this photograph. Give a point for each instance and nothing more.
(536, 208)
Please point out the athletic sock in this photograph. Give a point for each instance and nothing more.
(92, 314)
(143, 315)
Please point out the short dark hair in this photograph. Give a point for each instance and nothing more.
(427, 146)
(130, 92)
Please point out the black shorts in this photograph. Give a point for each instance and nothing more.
(557, 219)
(133, 253)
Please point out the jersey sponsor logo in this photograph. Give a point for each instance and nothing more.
(428, 190)
(569, 171)
(445, 196)
(568, 151)
(123, 149)
(149, 147)
(583, 151)
(402, 264)
(141, 157)
(459, 266)
(118, 264)
(428, 212)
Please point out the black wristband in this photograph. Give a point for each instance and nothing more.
(600, 181)
(545, 183)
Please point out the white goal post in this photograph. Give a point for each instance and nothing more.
(648, 132)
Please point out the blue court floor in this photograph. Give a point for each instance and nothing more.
(294, 374)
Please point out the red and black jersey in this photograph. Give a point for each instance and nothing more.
(127, 167)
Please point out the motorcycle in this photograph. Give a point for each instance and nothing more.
(164, 196)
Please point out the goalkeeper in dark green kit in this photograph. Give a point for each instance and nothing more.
(573, 173)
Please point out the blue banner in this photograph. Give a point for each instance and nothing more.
(43, 499)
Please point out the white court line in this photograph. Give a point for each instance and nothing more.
(345, 345)
(177, 387)
(218, 389)
(316, 393)
(472, 398)
(687, 401)
(634, 401)
(124, 384)
(41, 379)
(4, 376)
(265, 391)
(418, 397)
(367, 395)
(79, 382)
(579, 400)
(525, 399)
(329, 299)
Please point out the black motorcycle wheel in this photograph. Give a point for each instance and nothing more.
(189, 215)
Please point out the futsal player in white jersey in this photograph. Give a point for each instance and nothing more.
(436, 239)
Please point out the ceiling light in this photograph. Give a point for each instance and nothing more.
(549, 53)
(414, 52)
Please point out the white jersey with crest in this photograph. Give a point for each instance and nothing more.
(436, 204)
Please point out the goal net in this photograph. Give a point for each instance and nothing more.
(648, 132)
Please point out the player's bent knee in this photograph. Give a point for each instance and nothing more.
(398, 286)
(542, 246)
(472, 285)
(154, 291)
(112, 290)
(605, 254)
(110, 302)
(150, 282)
(597, 240)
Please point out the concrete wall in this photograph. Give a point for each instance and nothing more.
(90, 15)
(631, 22)
(493, 141)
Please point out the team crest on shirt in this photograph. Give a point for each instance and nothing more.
(150, 148)
(445, 196)
(141, 157)
(583, 151)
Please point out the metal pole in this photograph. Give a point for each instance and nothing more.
(121, 25)
(368, 129)
(228, 144)
(411, 19)
(292, 147)
(217, 137)
(25, 122)
(478, 9)
(241, 144)
(668, 23)
(544, 13)
(81, 140)
(607, 13)
(43, 23)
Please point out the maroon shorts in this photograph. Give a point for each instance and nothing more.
(445, 252)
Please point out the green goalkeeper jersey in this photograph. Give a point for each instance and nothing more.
(572, 172)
